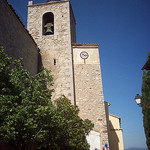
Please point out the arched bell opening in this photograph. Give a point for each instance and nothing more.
(48, 23)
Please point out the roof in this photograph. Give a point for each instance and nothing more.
(85, 45)
(147, 65)
(50, 2)
(14, 12)
(114, 116)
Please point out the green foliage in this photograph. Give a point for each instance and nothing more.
(146, 104)
(72, 129)
(28, 118)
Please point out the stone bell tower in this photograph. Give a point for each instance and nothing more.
(75, 66)
(52, 25)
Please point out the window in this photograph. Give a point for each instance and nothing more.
(54, 61)
(48, 24)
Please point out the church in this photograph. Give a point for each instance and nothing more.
(50, 41)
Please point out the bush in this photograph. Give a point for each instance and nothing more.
(28, 118)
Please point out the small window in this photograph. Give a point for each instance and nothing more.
(54, 61)
(48, 23)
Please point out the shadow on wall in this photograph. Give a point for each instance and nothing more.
(114, 140)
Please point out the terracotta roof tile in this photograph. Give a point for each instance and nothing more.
(85, 44)
(114, 116)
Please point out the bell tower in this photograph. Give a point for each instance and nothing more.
(75, 66)
(52, 25)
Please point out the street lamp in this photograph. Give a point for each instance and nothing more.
(138, 99)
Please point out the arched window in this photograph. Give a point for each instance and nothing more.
(48, 23)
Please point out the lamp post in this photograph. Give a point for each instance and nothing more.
(138, 99)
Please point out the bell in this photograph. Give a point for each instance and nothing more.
(48, 29)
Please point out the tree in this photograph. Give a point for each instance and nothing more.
(28, 118)
(146, 104)
(72, 129)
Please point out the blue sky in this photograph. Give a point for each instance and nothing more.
(122, 28)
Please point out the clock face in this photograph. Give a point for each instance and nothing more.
(84, 55)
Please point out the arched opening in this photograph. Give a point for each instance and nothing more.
(48, 24)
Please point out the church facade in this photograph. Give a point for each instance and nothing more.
(50, 40)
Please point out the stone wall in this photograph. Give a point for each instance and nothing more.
(16, 40)
(73, 26)
(116, 137)
(107, 119)
(88, 88)
(56, 47)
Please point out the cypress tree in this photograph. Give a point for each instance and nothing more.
(145, 104)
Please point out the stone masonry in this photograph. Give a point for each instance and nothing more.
(16, 40)
(55, 47)
(78, 79)
(76, 76)
(89, 89)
